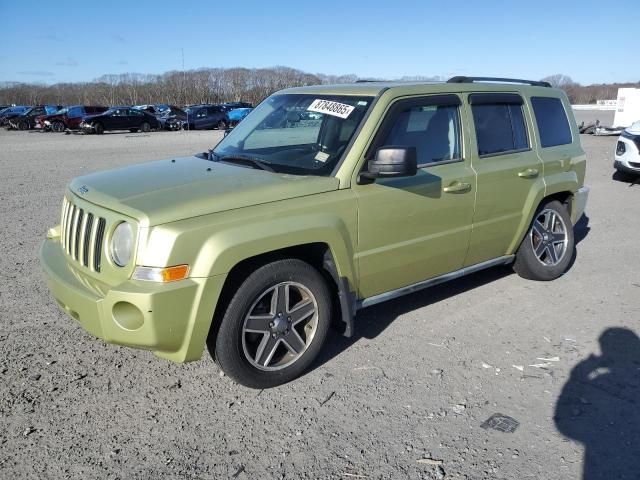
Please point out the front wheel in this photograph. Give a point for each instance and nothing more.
(145, 127)
(547, 249)
(57, 127)
(275, 324)
(98, 128)
(221, 125)
(23, 125)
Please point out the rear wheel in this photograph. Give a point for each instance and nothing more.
(546, 251)
(145, 127)
(57, 127)
(23, 125)
(275, 324)
(221, 125)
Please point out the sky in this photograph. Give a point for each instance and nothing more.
(68, 41)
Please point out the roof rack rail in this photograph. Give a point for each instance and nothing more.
(463, 79)
(370, 80)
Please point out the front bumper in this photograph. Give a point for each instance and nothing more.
(626, 167)
(85, 127)
(171, 319)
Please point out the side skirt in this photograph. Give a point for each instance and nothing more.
(383, 297)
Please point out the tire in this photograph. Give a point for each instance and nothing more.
(221, 125)
(145, 127)
(57, 127)
(23, 125)
(547, 249)
(98, 128)
(268, 348)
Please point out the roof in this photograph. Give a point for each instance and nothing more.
(370, 89)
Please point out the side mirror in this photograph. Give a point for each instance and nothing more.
(391, 162)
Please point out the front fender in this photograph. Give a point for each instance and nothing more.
(213, 244)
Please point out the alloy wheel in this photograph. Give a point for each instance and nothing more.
(549, 237)
(280, 326)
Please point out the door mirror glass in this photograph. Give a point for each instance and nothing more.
(391, 162)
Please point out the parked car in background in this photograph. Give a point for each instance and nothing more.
(27, 119)
(68, 118)
(171, 118)
(233, 105)
(153, 109)
(627, 156)
(119, 118)
(202, 117)
(236, 115)
(11, 112)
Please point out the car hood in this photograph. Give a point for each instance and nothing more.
(168, 190)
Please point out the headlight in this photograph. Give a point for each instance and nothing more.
(47, 122)
(122, 244)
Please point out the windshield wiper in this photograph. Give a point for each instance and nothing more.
(246, 159)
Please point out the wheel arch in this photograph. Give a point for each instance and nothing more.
(563, 195)
(319, 255)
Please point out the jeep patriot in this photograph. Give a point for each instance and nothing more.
(322, 201)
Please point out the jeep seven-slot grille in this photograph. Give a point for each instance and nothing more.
(82, 234)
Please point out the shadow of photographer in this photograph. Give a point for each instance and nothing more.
(599, 407)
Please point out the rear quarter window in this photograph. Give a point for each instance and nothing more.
(552, 121)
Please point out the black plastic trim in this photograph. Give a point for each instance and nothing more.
(346, 298)
(463, 79)
(508, 152)
(495, 98)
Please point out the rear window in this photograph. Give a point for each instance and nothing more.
(500, 128)
(552, 121)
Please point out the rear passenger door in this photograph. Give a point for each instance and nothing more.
(508, 169)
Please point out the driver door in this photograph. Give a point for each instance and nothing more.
(415, 228)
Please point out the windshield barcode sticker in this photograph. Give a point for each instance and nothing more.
(336, 109)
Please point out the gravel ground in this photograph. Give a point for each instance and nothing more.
(405, 398)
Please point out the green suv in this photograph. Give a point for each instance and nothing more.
(322, 201)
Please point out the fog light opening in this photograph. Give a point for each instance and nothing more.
(127, 316)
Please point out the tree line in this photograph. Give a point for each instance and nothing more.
(205, 85)
(217, 85)
(587, 94)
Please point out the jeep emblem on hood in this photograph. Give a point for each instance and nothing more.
(83, 189)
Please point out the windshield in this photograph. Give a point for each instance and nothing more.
(301, 134)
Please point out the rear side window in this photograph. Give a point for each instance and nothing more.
(552, 121)
(500, 127)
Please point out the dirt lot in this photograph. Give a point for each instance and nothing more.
(405, 398)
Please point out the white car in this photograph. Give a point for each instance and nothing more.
(627, 159)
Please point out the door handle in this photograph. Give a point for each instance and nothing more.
(528, 173)
(457, 187)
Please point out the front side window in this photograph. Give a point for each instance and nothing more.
(552, 122)
(500, 128)
(434, 130)
(75, 112)
(302, 134)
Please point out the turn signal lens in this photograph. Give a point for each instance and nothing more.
(161, 274)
